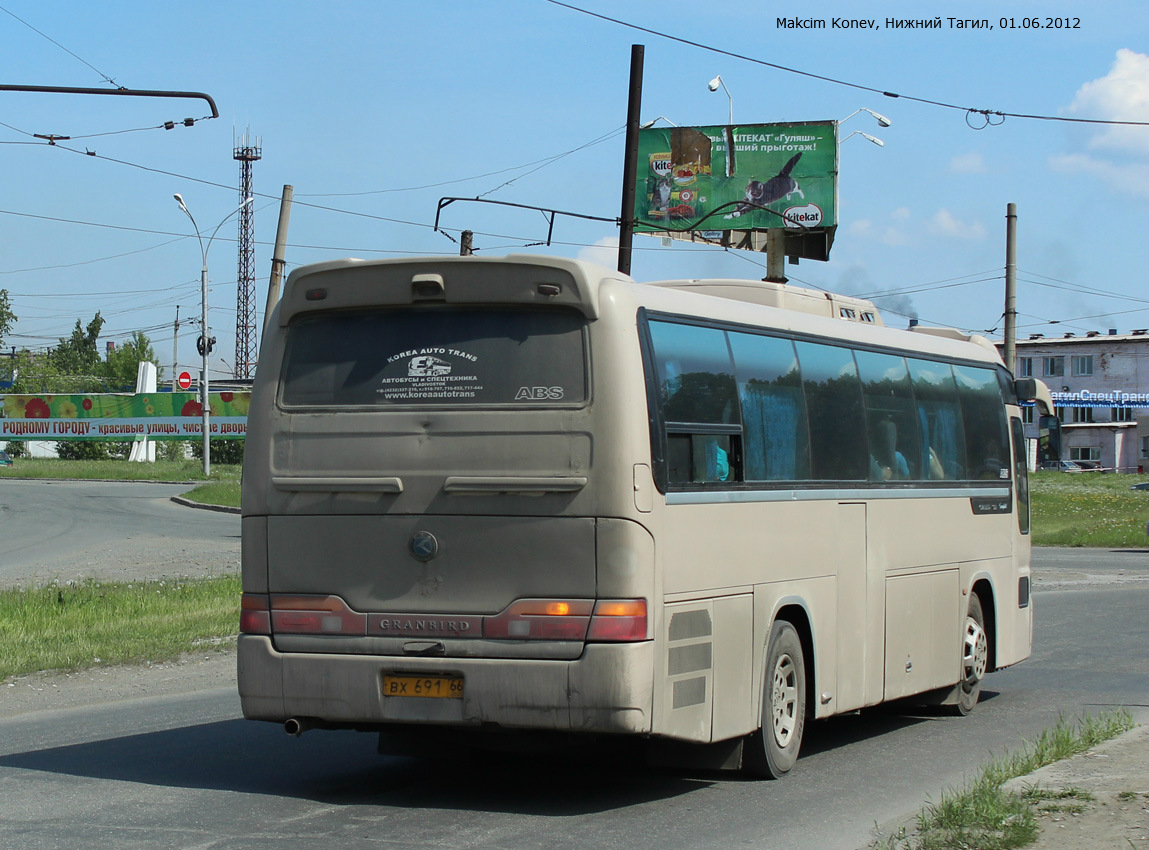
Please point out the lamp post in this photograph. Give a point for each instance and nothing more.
(874, 139)
(882, 120)
(713, 86)
(205, 341)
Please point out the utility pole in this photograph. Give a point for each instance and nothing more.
(466, 243)
(277, 261)
(1011, 287)
(176, 349)
(630, 163)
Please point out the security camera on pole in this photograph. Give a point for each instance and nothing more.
(206, 341)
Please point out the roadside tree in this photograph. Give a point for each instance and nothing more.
(123, 362)
(7, 317)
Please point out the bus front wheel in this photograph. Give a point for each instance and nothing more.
(974, 657)
(772, 751)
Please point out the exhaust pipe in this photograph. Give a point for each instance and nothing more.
(297, 726)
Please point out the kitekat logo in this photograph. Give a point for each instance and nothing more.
(807, 216)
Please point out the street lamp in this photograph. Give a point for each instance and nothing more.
(882, 120)
(867, 137)
(713, 86)
(205, 341)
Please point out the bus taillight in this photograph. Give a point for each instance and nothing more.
(540, 619)
(315, 615)
(618, 620)
(254, 614)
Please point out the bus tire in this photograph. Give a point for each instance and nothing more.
(772, 751)
(974, 658)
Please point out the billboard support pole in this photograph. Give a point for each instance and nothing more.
(630, 164)
(775, 255)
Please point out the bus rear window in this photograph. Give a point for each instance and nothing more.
(437, 356)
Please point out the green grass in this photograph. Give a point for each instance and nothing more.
(1089, 509)
(225, 493)
(74, 626)
(985, 816)
(1086, 509)
(118, 470)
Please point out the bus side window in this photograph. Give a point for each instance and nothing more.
(702, 458)
(986, 428)
(838, 441)
(939, 419)
(895, 449)
(775, 437)
(698, 401)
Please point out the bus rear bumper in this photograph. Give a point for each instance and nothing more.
(607, 690)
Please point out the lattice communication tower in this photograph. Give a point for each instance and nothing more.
(246, 350)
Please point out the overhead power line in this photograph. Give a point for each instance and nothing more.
(990, 115)
(62, 47)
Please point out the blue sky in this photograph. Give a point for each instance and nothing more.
(372, 111)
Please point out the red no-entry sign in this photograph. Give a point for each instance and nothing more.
(184, 380)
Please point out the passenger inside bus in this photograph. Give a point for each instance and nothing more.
(886, 462)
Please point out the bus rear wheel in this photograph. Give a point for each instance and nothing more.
(772, 751)
(974, 657)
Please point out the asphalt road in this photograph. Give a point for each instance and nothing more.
(69, 530)
(183, 770)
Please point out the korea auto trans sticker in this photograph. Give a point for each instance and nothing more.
(433, 374)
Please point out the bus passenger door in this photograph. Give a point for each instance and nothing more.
(861, 613)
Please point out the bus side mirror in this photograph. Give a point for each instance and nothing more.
(1048, 439)
(1026, 388)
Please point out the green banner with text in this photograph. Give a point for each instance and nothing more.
(154, 416)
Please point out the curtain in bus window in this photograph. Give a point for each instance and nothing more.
(775, 440)
(695, 375)
(838, 449)
(939, 420)
(986, 426)
(891, 418)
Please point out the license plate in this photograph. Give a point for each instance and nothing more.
(440, 687)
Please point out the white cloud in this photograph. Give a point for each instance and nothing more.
(1121, 95)
(888, 234)
(1132, 180)
(968, 163)
(944, 224)
(895, 236)
(604, 252)
(1115, 156)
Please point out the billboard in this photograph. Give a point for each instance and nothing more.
(100, 416)
(725, 184)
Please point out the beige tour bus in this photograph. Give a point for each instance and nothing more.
(484, 497)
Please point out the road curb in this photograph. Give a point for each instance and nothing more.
(188, 503)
